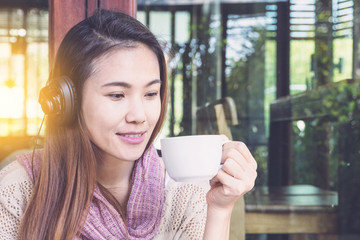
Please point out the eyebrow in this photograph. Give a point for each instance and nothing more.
(127, 85)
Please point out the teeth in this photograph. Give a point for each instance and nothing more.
(133, 136)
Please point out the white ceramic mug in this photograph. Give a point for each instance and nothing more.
(192, 158)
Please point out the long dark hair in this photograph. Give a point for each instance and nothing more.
(64, 187)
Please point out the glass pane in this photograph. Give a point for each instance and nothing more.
(301, 75)
(246, 61)
(23, 69)
(292, 70)
(160, 25)
(182, 27)
(193, 52)
(343, 12)
(141, 16)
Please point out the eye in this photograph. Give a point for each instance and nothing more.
(116, 96)
(152, 94)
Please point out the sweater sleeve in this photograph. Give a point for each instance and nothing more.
(184, 214)
(15, 192)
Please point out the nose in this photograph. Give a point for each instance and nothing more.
(136, 112)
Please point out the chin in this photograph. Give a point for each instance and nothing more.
(133, 155)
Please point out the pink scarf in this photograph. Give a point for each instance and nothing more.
(144, 209)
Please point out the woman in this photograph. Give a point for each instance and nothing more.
(98, 176)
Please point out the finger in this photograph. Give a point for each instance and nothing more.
(233, 168)
(244, 173)
(246, 178)
(240, 146)
(230, 185)
(232, 153)
(215, 182)
(232, 147)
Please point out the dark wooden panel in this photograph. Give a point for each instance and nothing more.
(128, 7)
(63, 14)
(349, 178)
(283, 49)
(92, 5)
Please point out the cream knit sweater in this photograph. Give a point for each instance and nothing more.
(183, 218)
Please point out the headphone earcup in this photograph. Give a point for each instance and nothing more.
(58, 100)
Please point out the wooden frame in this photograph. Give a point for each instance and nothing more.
(63, 14)
(296, 209)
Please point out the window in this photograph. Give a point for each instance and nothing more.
(291, 67)
(23, 69)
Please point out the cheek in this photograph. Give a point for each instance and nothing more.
(98, 116)
(153, 112)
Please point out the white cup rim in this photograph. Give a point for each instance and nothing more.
(187, 136)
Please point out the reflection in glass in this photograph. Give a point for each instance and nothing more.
(23, 69)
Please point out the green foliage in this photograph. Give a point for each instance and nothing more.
(315, 152)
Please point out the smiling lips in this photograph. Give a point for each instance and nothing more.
(132, 138)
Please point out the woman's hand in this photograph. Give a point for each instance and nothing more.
(234, 179)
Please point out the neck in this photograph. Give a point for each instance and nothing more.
(113, 173)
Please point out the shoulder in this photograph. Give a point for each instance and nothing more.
(15, 190)
(13, 173)
(15, 185)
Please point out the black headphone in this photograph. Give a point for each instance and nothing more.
(58, 100)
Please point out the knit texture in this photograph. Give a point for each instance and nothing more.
(183, 218)
(144, 207)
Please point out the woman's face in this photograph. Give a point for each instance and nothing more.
(121, 102)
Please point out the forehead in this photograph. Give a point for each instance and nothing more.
(134, 64)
